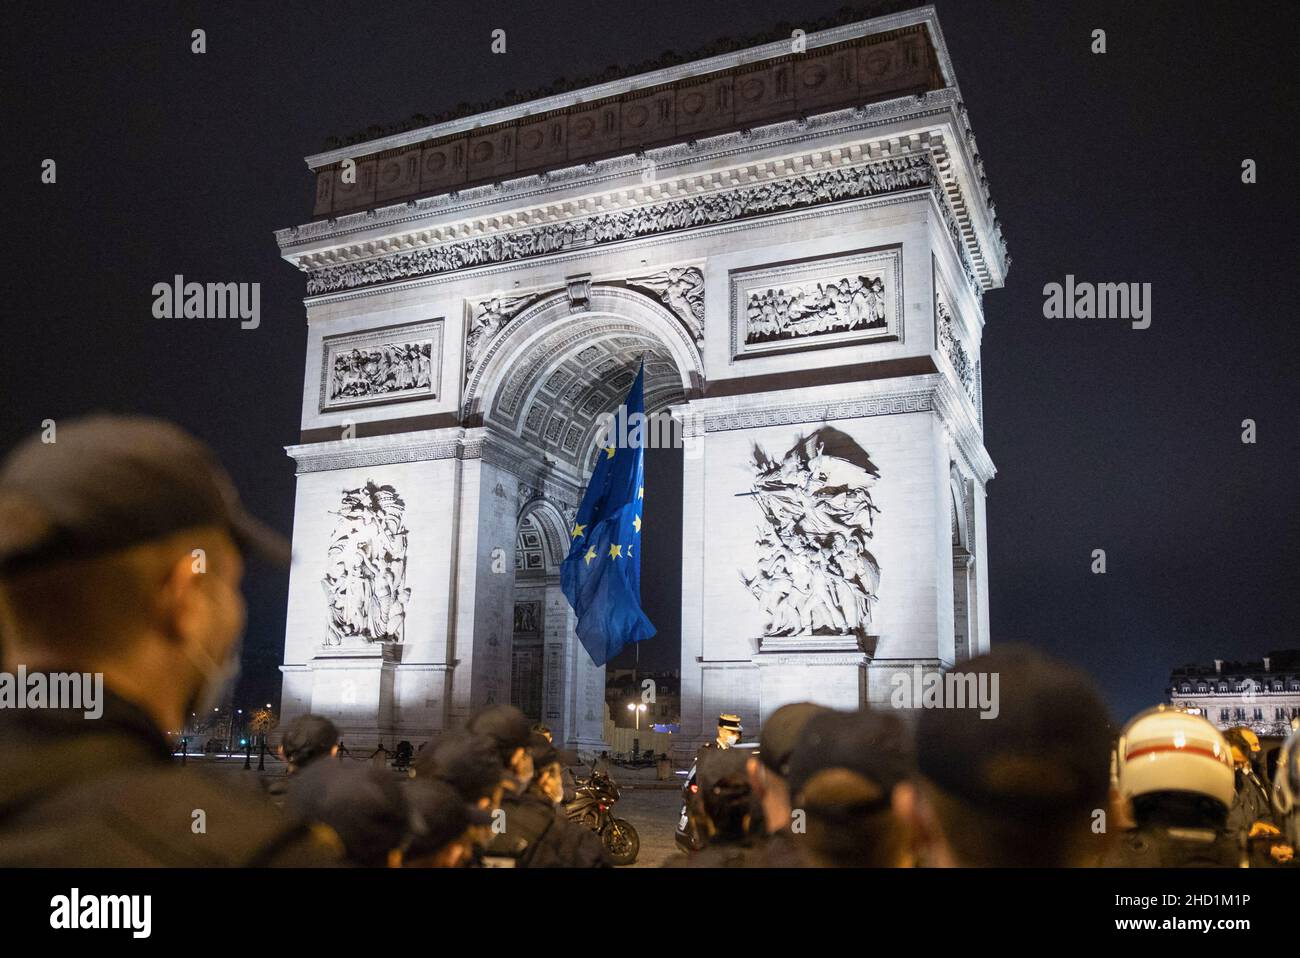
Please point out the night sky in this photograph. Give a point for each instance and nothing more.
(1122, 167)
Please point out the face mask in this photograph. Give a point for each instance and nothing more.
(218, 677)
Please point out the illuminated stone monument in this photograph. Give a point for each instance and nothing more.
(796, 241)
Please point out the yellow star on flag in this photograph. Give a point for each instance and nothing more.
(609, 451)
(636, 523)
(640, 493)
(616, 552)
(591, 554)
(578, 530)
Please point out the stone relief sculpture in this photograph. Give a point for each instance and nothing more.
(382, 370)
(681, 289)
(852, 303)
(490, 317)
(952, 347)
(365, 578)
(815, 573)
(805, 190)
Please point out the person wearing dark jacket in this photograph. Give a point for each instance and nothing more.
(307, 739)
(122, 545)
(535, 831)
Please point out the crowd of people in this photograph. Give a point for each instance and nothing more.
(1047, 783)
(122, 546)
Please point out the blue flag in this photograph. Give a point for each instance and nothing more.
(601, 576)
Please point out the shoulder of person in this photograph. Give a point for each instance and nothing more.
(184, 818)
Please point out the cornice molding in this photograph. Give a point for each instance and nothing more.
(790, 193)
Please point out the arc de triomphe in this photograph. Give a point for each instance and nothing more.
(796, 240)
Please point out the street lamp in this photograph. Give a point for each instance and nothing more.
(638, 709)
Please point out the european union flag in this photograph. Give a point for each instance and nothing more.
(601, 576)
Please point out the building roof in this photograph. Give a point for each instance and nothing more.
(1280, 663)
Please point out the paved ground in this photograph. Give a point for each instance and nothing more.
(653, 812)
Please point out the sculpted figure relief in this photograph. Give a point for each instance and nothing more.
(815, 574)
(847, 304)
(952, 347)
(381, 370)
(490, 317)
(365, 578)
(681, 289)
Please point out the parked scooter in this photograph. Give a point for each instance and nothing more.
(592, 806)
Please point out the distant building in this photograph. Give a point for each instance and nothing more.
(1263, 695)
(623, 687)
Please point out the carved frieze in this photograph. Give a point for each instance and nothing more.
(879, 177)
(951, 345)
(835, 301)
(395, 364)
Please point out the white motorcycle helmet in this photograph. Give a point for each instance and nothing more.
(1167, 749)
(1286, 786)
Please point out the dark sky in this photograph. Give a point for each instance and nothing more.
(1119, 167)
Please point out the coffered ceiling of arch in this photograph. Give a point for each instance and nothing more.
(554, 401)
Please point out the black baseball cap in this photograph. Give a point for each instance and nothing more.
(468, 763)
(367, 808)
(107, 482)
(438, 815)
(871, 743)
(505, 725)
(309, 737)
(1046, 753)
(781, 732)
(542, 751)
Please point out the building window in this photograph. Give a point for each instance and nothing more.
(1239, 714)
(1223, 715)
(1259, 715)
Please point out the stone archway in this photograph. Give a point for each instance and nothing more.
(783, 265)
(538, 391)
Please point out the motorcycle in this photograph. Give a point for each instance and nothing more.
(591, 806)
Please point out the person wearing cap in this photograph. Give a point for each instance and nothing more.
(849, 777)
(122, 545)
(1250, 804)
(443, 826)
(1023, 788)
(566, 773)
(511, 731)
(365, 807)
(306, 739)
(688, 835)
(469, 764)
(530, 832)
(536, 833)
(521, 821)
(1174, 771)
(723, 809)
(768, 772)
